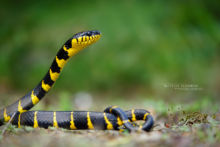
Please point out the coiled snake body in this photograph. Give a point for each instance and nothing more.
(112, 118)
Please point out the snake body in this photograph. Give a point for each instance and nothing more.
(112, 118)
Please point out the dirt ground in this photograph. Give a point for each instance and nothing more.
(195, 129)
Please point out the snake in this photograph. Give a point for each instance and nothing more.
(113, 117)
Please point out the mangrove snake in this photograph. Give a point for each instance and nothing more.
(111, 119)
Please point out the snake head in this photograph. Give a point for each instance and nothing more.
(83, 39)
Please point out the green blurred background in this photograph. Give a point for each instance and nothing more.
(150, 50)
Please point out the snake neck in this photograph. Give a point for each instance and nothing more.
(32, 98)
(75, 44)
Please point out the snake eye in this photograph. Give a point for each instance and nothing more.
(96, 33)
(89, 34)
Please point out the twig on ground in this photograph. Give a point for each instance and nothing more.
(6, 126)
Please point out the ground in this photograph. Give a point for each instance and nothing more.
(174, 126)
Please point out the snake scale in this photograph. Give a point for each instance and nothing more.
(111, 119)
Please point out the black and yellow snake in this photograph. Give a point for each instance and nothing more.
(111, 119)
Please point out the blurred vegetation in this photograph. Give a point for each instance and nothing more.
(144, 45)
(163, 56)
